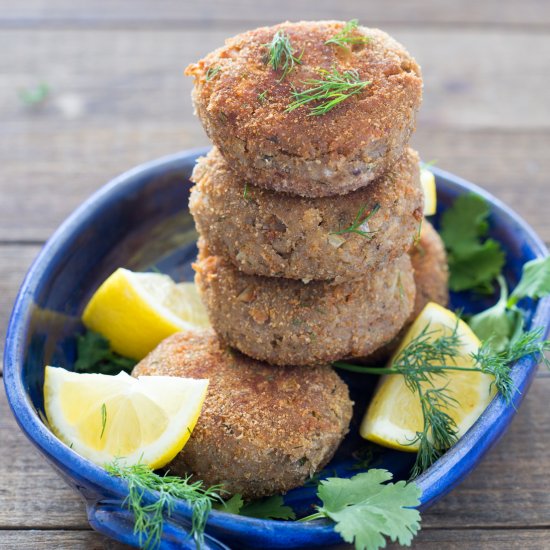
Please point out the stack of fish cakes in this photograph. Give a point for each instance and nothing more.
(307, 218)
(307, 210)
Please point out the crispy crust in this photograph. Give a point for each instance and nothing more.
(263, 430)
(431, 277)
(431, 271)
(313, 156)
(281, 235)
(284, 321)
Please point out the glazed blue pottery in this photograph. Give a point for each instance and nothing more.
(140, 221)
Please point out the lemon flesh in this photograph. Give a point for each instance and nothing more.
(147, 419)
(394, 415)
(136, 311)
(427, 180)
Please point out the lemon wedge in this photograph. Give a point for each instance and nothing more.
(427, 180)
(147, 419)
(136, 311)
(394, 415)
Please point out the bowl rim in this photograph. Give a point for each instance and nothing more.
(439, 479)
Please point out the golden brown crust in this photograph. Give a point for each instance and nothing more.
(280, 235)
(431, 272)
(339, 151)
(431, 277)
(262, 430)
(284, 321)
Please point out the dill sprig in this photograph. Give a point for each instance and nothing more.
(262, 98)
(359, 221)
(103, 419)
(149, 518)
(212, 72)
(330, 90)
(347, 36)
(281, 54)
(425, 360)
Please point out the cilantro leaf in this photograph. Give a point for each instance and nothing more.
(94, 355)
(366, 509)
(474, 262)
(534, 283)
(502, 324)
(493, 325)
(268, 508)
(231, 506)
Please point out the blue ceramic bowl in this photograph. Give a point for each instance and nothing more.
(140, 221)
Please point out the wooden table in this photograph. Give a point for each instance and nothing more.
(118, 97)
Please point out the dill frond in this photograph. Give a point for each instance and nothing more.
(359, 221)
(211, 73)
(281, 54)
(347, 36)
(425, 360)
(329, 91)
(149, 518)
(103, 419)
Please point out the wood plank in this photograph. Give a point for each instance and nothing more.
(471, 75)
(14, 262)
(510, 488)
(459, 539)
(450, 539)
(119, 99)
(71, 164)
(205, 12)
(58, 539)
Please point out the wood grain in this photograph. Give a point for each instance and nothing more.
(510, 488)
(14, 262)
(206, 12)
(57, 539)
(450, 539)
(119, 99)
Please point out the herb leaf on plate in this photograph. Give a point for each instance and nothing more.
(94, 355)
(268, 508)
(365, 508)
(474, 262)
(534, 283)
(149, 518)
(503, 323)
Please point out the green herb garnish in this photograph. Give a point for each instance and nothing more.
(365, 509)
(149, 518)
(281, 54)
(212, 72)
(347, 36)
(94, 355)
(359, 221)
(262, 98)
(426, 360)
(245, 192)
(503, 323)
(103, 419)
(268, 508)
(474, 261)
(35, 95)
(328, 91)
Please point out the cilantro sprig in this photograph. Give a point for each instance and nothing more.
(503, 323)
(366, 509)
(474, 260)
(267, 508)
